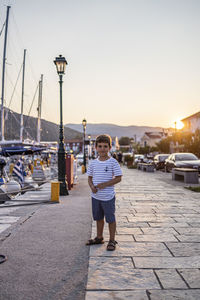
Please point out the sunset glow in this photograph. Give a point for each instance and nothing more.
(178, 124)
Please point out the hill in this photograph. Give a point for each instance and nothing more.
(115, 130)
(49, 130)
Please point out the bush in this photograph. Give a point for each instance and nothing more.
(132, 167)
(128, 158)
(194, 188)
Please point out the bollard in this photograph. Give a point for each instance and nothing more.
(11, 168)
(83, 169)
(32, 168)
(55, 191)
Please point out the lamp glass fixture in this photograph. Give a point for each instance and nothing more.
(60, 63)
(84, 122)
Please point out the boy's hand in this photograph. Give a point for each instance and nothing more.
(101, 185)
(94, 189)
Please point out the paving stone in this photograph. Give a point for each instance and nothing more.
(132, 249)
(155, 238)
(4, 227)
(170, 279)
(137, 224)
(187, 219)
(167, 262)
(184, 249)
(174, 294)
(171, 215)
(192, 277)
(194, 224)
(124, 237)
(191, 230)
(158, 230)
(6, 210)
(176, 210)
(171, 224)
(8, 219)
(150, 219)
(188, 238)
(144, 210)
(118, 274)
(116, 295)
(126, 230)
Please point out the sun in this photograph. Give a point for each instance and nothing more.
(178, 124)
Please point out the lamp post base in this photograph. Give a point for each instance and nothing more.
(62, 172)
(63, 189)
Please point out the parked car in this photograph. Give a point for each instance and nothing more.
(159, 161)
(182, 160)
(138, 158)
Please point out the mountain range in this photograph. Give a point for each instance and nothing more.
(114, 130)
(49, 130)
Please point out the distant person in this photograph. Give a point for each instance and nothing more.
(114, 155)
(103, 173)
(119, 157)
(93, 155)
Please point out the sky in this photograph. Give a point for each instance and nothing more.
(130, 62)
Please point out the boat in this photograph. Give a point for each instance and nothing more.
(8, 187)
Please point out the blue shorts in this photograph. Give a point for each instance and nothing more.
(103, 208)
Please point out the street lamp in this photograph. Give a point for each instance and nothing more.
(61, 63)
(84, 123)
(89, 138)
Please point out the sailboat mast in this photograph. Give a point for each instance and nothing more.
(22, 101)
(39, 108)
(3, 74)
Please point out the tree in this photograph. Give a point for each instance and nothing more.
(144, 150)
(124, 140)
(164, 145)
(194, 143)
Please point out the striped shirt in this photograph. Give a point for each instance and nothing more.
(102, 171)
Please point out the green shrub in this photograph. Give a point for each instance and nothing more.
(193, 188)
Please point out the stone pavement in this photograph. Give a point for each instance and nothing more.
(158, 234)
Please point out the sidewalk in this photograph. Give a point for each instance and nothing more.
(157, 256)
(158, 234)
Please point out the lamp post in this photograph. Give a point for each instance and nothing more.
(89, 152)
(61, 63)
(84, 123)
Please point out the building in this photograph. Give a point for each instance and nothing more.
(152, 138)
(191, 123)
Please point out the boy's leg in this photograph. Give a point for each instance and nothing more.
(112, 230)
(100, 226)
(109, 211)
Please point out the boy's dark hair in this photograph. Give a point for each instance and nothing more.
(103, 138)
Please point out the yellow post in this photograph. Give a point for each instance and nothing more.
(35, 162)
(55, 191)
(32, 168)
(11, 168)
(83, 169)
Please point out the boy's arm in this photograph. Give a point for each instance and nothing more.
(90, 182)
(111, 182)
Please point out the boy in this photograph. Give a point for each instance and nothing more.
(103, 173)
